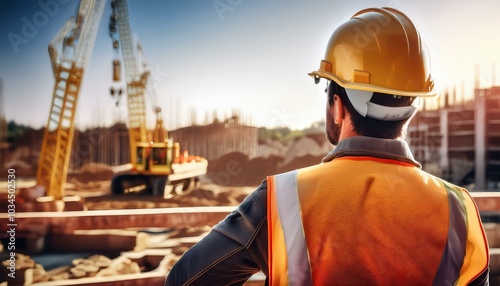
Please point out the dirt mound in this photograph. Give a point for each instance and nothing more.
(92, 172)
(235, 169)
(22, 169)
(301, 162)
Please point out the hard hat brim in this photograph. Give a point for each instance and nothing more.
(369, 87)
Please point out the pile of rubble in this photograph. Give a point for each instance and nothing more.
(97, 266)
(151, 259)
(26, 271)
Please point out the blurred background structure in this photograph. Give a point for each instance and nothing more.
(460, 141)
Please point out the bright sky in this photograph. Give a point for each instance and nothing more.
(253, 56)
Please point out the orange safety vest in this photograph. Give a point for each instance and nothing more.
(366, 220)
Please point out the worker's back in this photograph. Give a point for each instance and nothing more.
(368, 220)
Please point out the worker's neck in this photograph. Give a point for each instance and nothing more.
(347, 129)
(345, 135)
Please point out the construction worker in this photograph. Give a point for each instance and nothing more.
(368, 214)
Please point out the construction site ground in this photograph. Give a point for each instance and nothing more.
(137, 255)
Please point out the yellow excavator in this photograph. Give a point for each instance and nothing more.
(157, 164)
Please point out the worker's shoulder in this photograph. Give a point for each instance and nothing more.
(463, 192)
(448, 184)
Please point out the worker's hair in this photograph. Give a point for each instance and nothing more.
(368, 126)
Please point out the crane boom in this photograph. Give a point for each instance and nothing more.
(69, 51)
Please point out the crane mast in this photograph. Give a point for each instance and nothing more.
(135, 79)
(70, 51)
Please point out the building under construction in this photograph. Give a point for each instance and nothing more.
(461, 142)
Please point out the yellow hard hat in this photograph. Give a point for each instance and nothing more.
(378, 50)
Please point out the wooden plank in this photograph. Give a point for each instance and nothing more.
(487, 201)
(67, 222)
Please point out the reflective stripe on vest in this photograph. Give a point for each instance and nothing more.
(454, 253)
(283, 191)
(286, 234)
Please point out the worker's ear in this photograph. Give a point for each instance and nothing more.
(338, 107)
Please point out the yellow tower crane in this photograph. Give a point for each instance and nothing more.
(156, 165)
